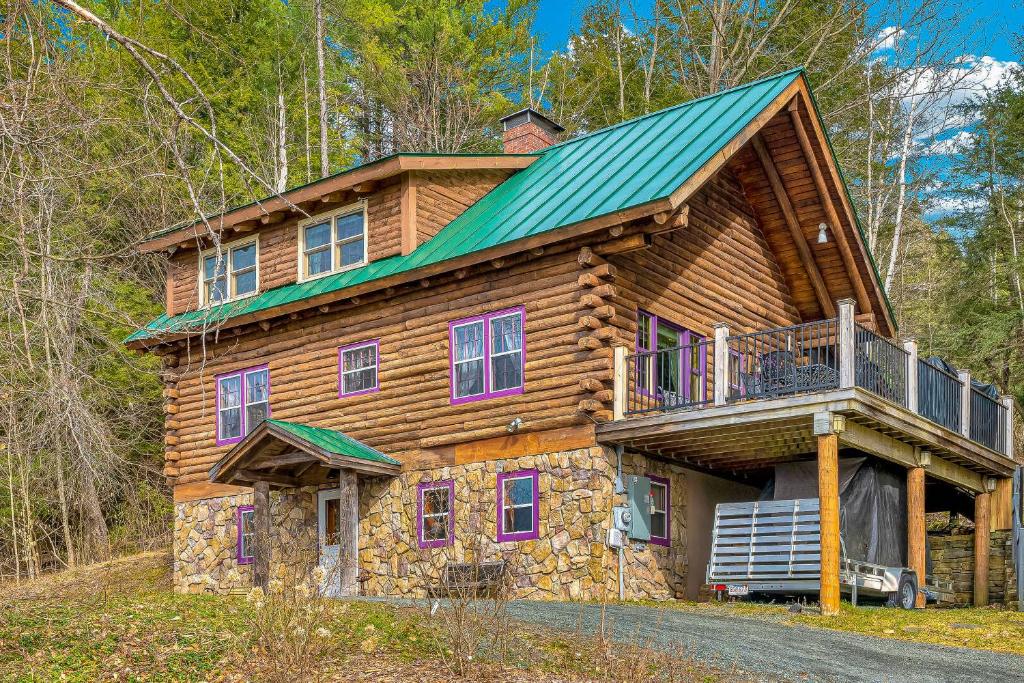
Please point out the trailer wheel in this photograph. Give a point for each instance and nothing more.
(905, 596)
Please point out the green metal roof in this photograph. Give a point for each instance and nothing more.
(333, 441)
(627, 165)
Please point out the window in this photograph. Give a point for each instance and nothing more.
(333, 243)
(246, 534)
(488, 356)
(661, 503)
(243, 401)
(357, 368)
(231, 274)
(680, 369)
(738, 370)
(519, 514)
(435, 523)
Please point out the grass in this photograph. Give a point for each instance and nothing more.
(991, 628)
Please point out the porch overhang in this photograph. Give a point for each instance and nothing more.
(288, 454)
(756, 435)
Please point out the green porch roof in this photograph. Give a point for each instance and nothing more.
(333, 441)
(624, 166)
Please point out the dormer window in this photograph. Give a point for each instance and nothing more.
(333, 242)
(231, 273)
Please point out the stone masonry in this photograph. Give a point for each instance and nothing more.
(953, 560)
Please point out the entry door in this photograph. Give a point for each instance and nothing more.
(329, 514)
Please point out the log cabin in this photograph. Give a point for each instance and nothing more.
(432, 359)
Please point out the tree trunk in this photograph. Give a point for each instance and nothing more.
(321, 83)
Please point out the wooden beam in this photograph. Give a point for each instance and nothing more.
(261, 522)
(982, 510)
(271, 477)
(1002, 505)
(624, 244)
(828, 497)
(408, 213)
(797, 233)
(916, 529)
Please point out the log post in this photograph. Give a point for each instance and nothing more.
(348, 528)
(847, 343)
(261, 524)
(965, 402)
(828, 500)
(621, 380)
(721, 359)
(1007, 426)
(981, 543)
(916, 529)
(910, 346)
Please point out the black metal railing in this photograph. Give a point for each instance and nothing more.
(988, 421)
(939, 394)
(784, 361)
(880, 365)
(669, 379)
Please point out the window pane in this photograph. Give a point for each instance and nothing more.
(518, 520)
(243, 257)
(506, 334)
(245, 283)
(435, 528)
(506, 372)
(469, 378)
(317, 235)
(350, 225)
(245, 550)
(254, 414)
(435, 501)
(644, 332)
(658, 493)
(356, 359)
(210, 265)
(230, 422)
(319, 262)
(469, 341)
(217, 291)
(519, 491)
(658, 525)
(230, 392)
(668, 337)
(332, 511)
(352, 252)
(359, 380)
(256, 386)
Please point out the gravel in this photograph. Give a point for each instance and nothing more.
(773, 651)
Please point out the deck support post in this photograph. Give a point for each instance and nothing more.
(348, 527)
(965, 402)
(1008, 426)
(981, 542)
(261, 524)
(847, 343)
(910, 346)
(721, 387)
(916, 529)
(828, 500)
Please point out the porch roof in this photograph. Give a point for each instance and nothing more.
(293, 454)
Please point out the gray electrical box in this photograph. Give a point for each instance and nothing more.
(638, 490)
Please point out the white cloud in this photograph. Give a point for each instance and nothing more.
(887, 38)
(954, 144)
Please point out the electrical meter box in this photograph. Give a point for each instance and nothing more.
(638, 491)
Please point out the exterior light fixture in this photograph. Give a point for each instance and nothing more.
(822, 233)
(514, 425)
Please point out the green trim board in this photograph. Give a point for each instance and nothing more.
(332, 441)
(624, 166)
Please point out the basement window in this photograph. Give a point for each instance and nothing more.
(517, 504)
(435, 522)
(246, 534)
(661, 503)
(243, 401)
(230, 274)
(488, 356)
(357, 368)
(333, 242)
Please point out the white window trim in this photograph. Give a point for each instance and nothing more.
(357, 207)
(225, 250)
(374, 344)
(506, 504)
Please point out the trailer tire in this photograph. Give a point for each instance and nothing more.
(905, 596)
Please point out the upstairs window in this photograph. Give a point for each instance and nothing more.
(230, 274)
(243, 401)
(357, 368)
(246, 534)
(488, 356)
(333, 242)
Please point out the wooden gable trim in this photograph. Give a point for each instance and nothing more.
(408, 209)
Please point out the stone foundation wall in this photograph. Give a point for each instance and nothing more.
(953, 560)
(569, 560)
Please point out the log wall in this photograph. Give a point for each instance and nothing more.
(443, 195)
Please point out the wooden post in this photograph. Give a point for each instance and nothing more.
(828, 500)
(910, 346)
(981, 543)
(916, 529)
(261, 529)
(1000, 505)
(721, 364)
(1008, 425)
(348, 529)
(847, 343)
(620, 383)
(965, 402)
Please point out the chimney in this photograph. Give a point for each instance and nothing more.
(528, 131)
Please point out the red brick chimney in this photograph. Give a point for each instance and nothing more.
(528, 131)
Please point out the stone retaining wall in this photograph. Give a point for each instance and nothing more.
(953, 560)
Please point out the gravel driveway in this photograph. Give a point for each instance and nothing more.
(774, 651)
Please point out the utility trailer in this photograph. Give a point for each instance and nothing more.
(774, 548)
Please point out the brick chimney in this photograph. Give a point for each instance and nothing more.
(528, 131)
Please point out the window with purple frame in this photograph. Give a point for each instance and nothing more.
(358, 366)
(738, 370)
(435, 521)
(682, 374)
(243, 401)
(246, 535)
(518, 511)
(660, 510)
(488, 355)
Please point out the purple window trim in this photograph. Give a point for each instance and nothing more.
(667, 539)
(241, 374)
(486, 320)
(532, 534)
(239, 557)
(430, 485)
(688, 338)
(375, 343)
